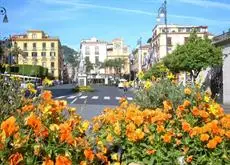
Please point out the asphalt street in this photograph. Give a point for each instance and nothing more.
(90, 104)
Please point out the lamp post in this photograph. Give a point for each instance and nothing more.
(3, 12)
(162, 13)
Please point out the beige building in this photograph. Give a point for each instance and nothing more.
(177, 35)
(40, 49)
(118, 49)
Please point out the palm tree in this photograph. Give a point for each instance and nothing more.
(16, 51)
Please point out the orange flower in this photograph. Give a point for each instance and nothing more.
(195, 111)
(62, 160)
(186, 126)
(46, 95)
(187, 91)
(83, 163)
(189, 159)
(47, 161)
(28, 108)
(186, 103)
(180, 108)
(139, 134)
(109, 138)
(150, 152)
(34, 122)
(101, 156)
(167, 138)
(9, 126)
(204, 137)
(218, 139)
(204, 114)
(89, 154)
(15, 159)
(212, 144)
(65, 133)
(117, 129)
(195, 131)
(167, 105)
(160, 128)
(227, 133)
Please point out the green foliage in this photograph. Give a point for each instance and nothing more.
(84, 89)
(10, 96)
(70, 55)
(159, 92)
(158, 70)
(28, 70)
(193, 56)
(89, 65)
(116, 64)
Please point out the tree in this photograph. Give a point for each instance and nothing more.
(195, 55)
(16, 51)
(158, 70)
(89, 65)
(117, 64)
(71, 57)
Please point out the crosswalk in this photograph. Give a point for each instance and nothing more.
(83, 97)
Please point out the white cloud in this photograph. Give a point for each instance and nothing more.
(207, 3)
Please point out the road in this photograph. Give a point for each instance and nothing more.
(90, 104)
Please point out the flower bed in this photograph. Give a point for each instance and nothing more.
(84, 89)
(46, 131)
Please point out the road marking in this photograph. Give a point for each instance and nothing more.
(73, 100)
(60, 97)
(83, 97)
(95, 97)
(118, 98)
(71, 97)
(129, 98)
(106, 98)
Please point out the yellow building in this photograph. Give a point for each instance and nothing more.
(118, 49)
(40, 49)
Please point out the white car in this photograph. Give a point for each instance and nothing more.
(121, 83)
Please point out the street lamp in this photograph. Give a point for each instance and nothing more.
(162, 13)
(3, 12)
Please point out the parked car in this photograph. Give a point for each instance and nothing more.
(121, 83)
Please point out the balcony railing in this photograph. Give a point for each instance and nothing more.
(221, 37)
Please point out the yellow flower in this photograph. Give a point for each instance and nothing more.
(206, 99)
(37, 149)
(214, 108)
(148, 84)
(114, 156)
(85, 125)
(117, 163)
(117, 129)
(109, 138)
(47, 109)
(140, 75)
(54, 127)
(187, 91)
(170, 76)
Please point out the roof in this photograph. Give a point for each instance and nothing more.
(221, 39)
(180, 26)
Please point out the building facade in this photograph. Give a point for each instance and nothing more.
(94, 50)
(40, 49)
(176, 35)
(223, 40)
(118, 49)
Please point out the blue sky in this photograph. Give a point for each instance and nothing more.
(73, 20)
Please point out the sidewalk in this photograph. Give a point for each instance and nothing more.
(226, 108)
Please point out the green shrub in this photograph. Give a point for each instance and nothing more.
(160, 91)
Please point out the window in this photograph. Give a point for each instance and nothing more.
(97, 50)
(52, 54)
(43, 54)
(44, 64)
(169, 41)
(52, 64)
(87, 58)
(25, 46)
(34, 36)
(188, 29)
(125, 50)
(185, 39)
(44, 46)
(87, 50)
(52, 45)
(96, 59)
(25, 54)
(34, 54)
(34, 46)
(52, 72)
(180, 30)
